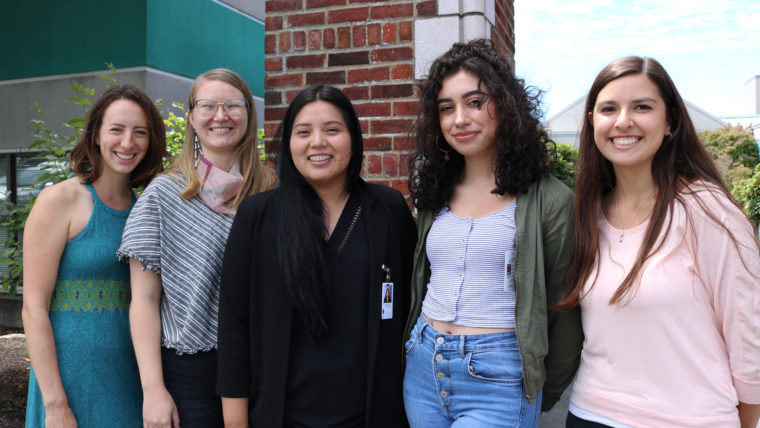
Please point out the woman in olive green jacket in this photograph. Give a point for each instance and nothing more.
(495, 240)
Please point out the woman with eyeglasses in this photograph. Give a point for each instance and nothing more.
(174, 240)
(76, 293)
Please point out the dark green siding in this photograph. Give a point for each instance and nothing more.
(185, 37)
(47, 37)
(189, 37)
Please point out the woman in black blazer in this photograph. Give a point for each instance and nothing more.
(306, 337)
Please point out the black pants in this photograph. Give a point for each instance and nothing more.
(576, 422)
(191, 381)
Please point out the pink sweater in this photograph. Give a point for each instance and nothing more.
(684, 348)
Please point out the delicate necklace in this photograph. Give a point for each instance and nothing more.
(617, 211)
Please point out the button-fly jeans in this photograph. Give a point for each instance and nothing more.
(465, 381)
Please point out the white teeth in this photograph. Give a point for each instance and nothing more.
(124, 155)
(219, 129)
(625, 141)
(319, 158)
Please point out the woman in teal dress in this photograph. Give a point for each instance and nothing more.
(76, 293)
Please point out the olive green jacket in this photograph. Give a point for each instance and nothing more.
(550, 341)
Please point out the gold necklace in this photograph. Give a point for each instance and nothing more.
(617, 211)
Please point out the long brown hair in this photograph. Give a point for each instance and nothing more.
(256, 177)
(85, 159)
(680, 160)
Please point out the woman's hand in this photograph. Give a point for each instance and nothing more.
(59, 416)
(159, 410)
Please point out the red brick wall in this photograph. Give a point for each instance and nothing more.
(366, 48)
(504, 33)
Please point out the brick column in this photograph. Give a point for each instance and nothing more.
(368, 49)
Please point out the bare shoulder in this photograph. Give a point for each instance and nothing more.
(60, 200)
(63, 194)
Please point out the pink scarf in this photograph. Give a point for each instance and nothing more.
(218, 186)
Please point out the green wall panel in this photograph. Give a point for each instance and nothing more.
(189, 37)
(46, 37)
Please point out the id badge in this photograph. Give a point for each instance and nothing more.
(509, 271)
(386, 308)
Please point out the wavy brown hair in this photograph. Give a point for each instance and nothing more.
(680, 160)
(522, 154)
(85, 159)
(256, 177)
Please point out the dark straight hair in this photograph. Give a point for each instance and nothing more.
(301, 241)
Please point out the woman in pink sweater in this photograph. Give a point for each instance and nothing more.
(666, 267)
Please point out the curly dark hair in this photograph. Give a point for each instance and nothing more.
(523, 156)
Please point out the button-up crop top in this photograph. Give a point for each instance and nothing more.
(472, 269)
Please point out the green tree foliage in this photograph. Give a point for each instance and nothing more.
(175, 134)
(564, 164)
(747, 192)
(736, 155)
(734, 150)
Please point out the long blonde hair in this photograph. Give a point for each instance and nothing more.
(257, 177)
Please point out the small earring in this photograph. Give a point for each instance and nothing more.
(667, 132)
(445, 152)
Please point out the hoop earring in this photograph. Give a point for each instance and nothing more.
(445, 152)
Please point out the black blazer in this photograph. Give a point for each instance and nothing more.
(255, 314)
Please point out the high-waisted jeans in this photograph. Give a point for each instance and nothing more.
(465, 380)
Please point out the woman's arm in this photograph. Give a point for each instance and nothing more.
(45, 236)
(727, 260)
(236, 412)
(749, 414)
(159, 410)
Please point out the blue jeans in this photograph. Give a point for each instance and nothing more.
(465, 381)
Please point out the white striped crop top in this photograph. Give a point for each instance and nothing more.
(472, 269)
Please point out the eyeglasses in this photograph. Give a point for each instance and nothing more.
(234, 107)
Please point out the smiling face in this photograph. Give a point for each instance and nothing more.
(630, 121)
(468, 120)
(320, 145)
(218, 134)
(123, 137)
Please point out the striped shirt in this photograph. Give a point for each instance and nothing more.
(472, 269)
(182, 241)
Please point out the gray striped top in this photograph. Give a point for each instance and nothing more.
(472, 266)
(183, 242)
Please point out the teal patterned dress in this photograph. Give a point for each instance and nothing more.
(89, 313)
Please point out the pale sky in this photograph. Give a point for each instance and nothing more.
(710, 48)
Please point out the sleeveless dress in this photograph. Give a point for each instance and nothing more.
(89, 313)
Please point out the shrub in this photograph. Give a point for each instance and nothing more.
(564, 164)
